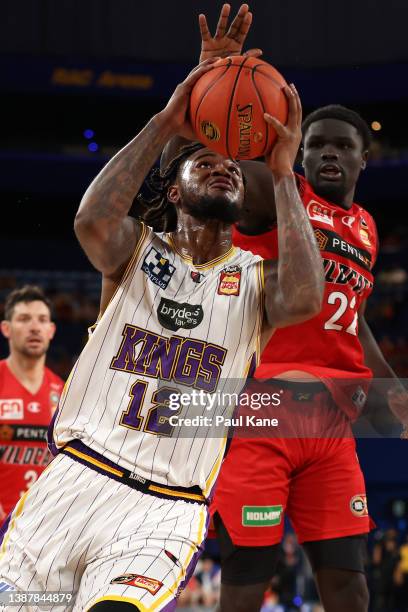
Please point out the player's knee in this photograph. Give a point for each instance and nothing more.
(246, 598)
(110, 605)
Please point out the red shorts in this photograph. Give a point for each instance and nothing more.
(312, 475)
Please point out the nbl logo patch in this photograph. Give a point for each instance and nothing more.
(158, 268)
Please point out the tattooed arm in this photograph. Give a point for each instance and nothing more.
(294, 284)
(106, 233)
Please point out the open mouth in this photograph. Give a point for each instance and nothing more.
(223, 184)
(330, 172)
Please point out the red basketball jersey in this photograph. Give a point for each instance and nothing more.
(327, 346)
(24, 419)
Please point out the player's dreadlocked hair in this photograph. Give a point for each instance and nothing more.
(336, 111)
(156, 210)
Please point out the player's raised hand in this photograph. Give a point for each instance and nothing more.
(283, 155)
(176, 113)
(226, 41)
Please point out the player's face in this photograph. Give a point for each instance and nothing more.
(333, 157)
(30, 329)
(211, 186)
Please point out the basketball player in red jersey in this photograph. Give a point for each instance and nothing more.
(29, 393)
(311, 472)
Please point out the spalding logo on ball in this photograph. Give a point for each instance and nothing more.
(227, 105)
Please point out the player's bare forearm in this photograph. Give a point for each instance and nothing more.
(103, 228)
(294, 292)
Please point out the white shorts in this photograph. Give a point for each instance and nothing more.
(79, 531)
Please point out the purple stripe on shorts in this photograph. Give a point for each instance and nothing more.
(50, 435)
(4, 528)
(191, 566)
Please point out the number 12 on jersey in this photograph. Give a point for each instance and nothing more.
(157, 419)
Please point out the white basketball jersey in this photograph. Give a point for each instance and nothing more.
(170, 328)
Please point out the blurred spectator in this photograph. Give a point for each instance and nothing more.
(209, 577)
(385, 559)
(29, 393)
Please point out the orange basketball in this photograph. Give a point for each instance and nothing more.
(228, 103)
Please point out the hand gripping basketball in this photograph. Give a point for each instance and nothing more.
(228, 104)
(283, 155)
(176, 110)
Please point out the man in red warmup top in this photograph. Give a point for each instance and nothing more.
(29, 394)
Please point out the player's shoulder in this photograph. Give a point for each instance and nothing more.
(363, 212)
(4, 370)
(244, 257)
(53, 379)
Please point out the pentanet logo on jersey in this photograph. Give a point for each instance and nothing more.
(230, 281)
(175, 315)
(319, 212)
(158, 268)
(143, 582)
(331, 242)
(358, 505)
(261, 516)
(11, 409)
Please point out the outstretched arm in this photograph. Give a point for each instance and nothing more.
(106, 233)
(294, 286)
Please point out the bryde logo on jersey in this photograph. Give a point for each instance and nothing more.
(185, 360)
(230, 281)
(143, 582)
(158, 268)
(175, 315)
(319, 212)
(11, 409)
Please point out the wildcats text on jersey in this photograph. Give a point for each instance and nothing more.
(336, 272)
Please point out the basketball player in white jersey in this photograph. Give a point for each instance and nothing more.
(119, 517)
